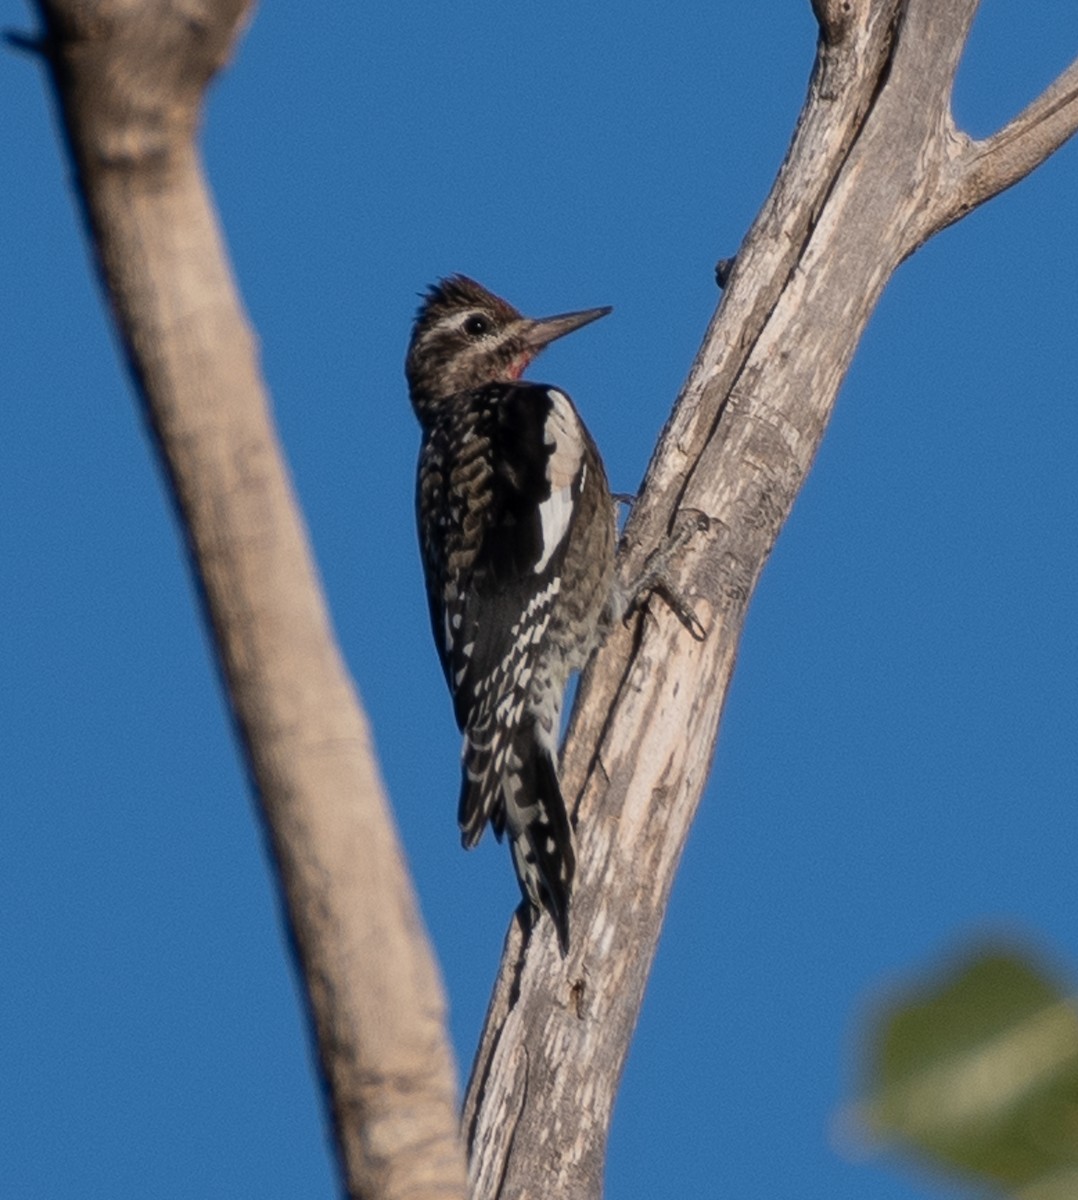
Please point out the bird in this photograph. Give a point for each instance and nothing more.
(517, 534)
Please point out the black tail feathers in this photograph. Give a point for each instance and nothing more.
(525, 799)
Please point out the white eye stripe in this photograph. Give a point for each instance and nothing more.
(455, 322)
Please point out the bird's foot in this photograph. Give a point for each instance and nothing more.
(656, 578)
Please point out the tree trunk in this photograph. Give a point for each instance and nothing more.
(875, 168)
(130, 76)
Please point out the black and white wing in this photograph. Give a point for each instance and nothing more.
(505, 484)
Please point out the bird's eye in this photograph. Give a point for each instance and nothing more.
(476, 325)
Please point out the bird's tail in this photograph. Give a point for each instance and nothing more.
(513, 783)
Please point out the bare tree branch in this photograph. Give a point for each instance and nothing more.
(874, 168)
(983, 169)
(850, 203)
(130, 77)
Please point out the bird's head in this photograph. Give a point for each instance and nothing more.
(465, 336)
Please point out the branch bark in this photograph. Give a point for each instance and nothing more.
(130, 77)
(982, 169)
(876, 166)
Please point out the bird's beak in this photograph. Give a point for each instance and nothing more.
(545, 330)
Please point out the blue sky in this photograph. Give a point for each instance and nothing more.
(897, 769)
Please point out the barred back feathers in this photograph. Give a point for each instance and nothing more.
(516, 530)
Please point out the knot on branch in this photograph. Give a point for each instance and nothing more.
(835, 18)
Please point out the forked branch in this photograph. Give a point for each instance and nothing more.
(876, 166)
(983, 169)
(861, 188)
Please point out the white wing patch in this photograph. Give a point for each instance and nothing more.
(563, 435)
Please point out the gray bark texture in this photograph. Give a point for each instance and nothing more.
(875, 168)
(130, 77)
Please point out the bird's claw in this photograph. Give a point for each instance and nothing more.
(656, 579)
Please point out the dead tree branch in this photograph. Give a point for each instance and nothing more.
(130, 76)
(874, 169)
(983, 169)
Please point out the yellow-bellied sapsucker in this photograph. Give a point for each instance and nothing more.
(517, 532)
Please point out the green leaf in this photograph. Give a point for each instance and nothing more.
(977, 1071)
